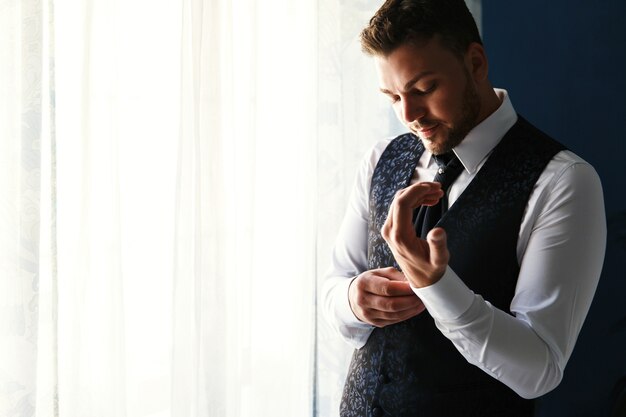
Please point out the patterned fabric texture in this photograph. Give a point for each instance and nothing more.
(410, 368)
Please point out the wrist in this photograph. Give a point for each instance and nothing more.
(422, 279)
(448, 299)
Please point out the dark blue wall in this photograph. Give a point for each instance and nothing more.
(564, 65)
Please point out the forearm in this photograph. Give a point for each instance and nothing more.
(504, 346)
(559, 270)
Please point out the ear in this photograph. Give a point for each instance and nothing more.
(476, 62)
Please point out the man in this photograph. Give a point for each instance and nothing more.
(478, 315)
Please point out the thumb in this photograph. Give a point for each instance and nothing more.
(438, 243)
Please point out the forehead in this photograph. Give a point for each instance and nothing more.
(409, 60)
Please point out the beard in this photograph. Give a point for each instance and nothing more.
(470, 109)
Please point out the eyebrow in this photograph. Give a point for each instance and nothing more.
(410, 83)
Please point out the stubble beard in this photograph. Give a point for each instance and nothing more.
(470, 109)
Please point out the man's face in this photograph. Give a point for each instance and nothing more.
(431, 92)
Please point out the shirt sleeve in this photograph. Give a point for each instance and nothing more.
(559, 272)
(349, 257)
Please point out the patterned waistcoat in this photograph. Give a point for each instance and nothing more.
(410, 368)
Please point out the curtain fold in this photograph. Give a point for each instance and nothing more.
(86, 243)
(116, 119)
(172, 174)
(245, 256)
(27, 287)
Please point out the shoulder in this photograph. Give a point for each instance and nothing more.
(569, 184)
(389, 144)
(375, 152)
(568, 168)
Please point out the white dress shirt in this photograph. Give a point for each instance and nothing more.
(560, 250)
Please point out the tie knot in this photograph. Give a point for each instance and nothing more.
(444, 159)
(449, 169)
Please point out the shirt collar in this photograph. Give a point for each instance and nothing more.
(481, 140)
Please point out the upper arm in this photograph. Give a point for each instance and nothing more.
(563, 259)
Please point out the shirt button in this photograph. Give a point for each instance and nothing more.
(377, 412)
(441, 171)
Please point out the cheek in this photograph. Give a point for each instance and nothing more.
(445, 105)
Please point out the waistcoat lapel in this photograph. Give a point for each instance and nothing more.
(402, 155)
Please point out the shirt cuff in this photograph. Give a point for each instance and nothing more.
(447, 299)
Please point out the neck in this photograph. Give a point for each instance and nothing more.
(489, 102)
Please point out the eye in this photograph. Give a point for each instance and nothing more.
(393, 98)
(427, 90)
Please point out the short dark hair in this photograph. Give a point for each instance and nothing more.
(398, 22)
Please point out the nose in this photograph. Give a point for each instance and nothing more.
(412, 109)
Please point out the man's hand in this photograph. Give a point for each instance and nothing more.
(382, 297)
(422, 261)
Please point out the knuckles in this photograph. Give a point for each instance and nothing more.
(402, 199)
(396, 235)
(360, 299)
(392, 234)
(387, 305)
(383, 290)
(385, 231)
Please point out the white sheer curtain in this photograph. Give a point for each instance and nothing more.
(27, 306)
(117, 89)
(172, 174)
(88, 130)
(158, 217)
(246, 221)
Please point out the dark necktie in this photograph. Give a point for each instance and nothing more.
(449, 169)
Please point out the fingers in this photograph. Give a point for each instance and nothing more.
(399, 224)
(380, 301)
(393, 304)
(437, 242)
(382, 311)
(423, 261)
(388, 282)
(390, 273)
(386, 319)
(419, 194)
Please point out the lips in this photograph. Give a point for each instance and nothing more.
(428, 132)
